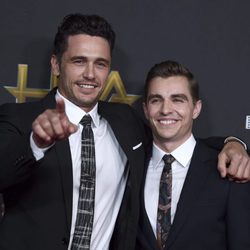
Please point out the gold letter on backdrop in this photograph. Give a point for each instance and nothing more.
(21, 92)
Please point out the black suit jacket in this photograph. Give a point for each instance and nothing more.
(212, 213)
(38, 195)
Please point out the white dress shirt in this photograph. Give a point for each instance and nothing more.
(182, 155)
(111, 175)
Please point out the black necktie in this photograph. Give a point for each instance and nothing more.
(164, 205)
(85, 210)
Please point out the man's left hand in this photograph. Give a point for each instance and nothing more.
(234, 162)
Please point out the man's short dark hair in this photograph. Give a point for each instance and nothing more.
(75, 24)
(171, 68)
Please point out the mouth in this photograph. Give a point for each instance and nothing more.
(167, 121)
(85, 85)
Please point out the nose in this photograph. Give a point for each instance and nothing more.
(166, 107)
(89, 72)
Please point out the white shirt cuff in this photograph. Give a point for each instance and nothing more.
(37, 152)
(232, 138)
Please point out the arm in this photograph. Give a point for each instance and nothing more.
(17, 157)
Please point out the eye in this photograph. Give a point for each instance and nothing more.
(178, 100)
(78, 61)
(154, 100)
(101, 64)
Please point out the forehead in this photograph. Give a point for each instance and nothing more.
(169, 85)
(93, 45)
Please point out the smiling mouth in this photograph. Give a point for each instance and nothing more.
(86, 86)
(167, 122)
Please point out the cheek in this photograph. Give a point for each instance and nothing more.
(153, 110)
(103, 76)
(74, 73)
(152, 118)
(152, 125)
(188, 117)
(184, 111)
(72, 70)
(149, 113)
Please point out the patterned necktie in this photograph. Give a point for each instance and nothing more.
(164, 206)
(85, 210)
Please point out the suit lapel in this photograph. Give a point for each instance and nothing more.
(146, 232)
(49, 101)
(114, 121)
(193, 184)
(65, 167)
(63, 157)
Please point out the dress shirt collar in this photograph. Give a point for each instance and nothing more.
(183, 158)
(75, 113)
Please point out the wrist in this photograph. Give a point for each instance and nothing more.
(235, 139)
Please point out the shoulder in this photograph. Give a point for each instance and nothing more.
(118, 111)
(114, 106)
(124, 117)
(23, 114)
(20, 108)
(17, 110)
(205, 150)
(28, 108)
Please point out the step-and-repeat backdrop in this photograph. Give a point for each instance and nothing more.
(212, 38)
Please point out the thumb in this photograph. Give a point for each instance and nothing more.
(72, 128)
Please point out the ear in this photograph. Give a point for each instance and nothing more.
(55, 65)
(197, 109)
(144, 105)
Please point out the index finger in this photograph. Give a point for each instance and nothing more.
(60, 106)
(222, 164)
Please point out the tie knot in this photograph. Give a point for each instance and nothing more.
(168, 159)
(86, 120)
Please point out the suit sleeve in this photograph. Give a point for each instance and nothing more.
(214, 142)
(16, 157)
(238, 217)
(217, 143)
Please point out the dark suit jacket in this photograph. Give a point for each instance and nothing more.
(38, 195)
(212, 213)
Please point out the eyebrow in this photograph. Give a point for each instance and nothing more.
(77, 57)
(182, 96)
(154, 96)
(86, 58)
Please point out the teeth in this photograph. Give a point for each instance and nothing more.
(86, 86)
(166, 122)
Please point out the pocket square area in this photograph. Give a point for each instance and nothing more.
(137, 146)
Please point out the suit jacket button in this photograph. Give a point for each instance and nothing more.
(65, 241)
